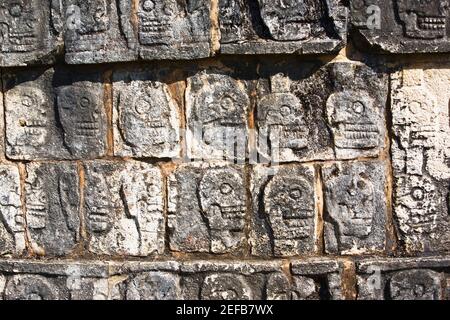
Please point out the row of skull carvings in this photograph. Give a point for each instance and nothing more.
(117, 208)
(301, 119)
(398, 279)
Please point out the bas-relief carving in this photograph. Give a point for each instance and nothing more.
(217, 108)
(355, 216)
(31, 287)
(52, 208)
(279, 287)
(123, 207)
(12, 223)
(415, 285)
(225, 287)
(146, 109)
(214, 221)
(420, 154)
(154, 285)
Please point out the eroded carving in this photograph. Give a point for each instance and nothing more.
(415, 285)
(355, 207)
(30, 287)
(154, 286)
(225, 287)
(280, 288)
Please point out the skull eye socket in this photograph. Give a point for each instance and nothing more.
(27, 101)
(361, 184)
(226, 103)
(417, 193)
(285, 110)
(358, 107)
(225, 188)
(143, 107)
(148, 5)
(16, 10)
(295, 193)
(85, 102)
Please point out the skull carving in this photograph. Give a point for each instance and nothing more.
(31, 127)
(353, 120)
(37, 205)
(18, 26)
(289, 206)
(81, 116)
(231, 20)
(225, 287)
(423, 19)
(154, 286)
(222, 198)
(352, 204)
(30, 287)
(415, 285)
(279, 288)
(290, 20)
(155, 21)
(148, 116)
(417, 210)
(100, 211)
(88, 17)
(282, 119)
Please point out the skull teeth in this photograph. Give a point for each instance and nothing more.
(431, 23)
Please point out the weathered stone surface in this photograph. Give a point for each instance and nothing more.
(268, 27)
(402, 26)
(93, 32)
(52, 204)
(30, 32)
(24, 280)
(12, 223)
(54, 114)
(124, 208)
(336, 111)
(404, 279)
(217, 108)
(146, 116)
(167, 29)
(355, 207)
(207, 208)
(421, 153)
(284, 210)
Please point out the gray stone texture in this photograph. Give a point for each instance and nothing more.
(420, 157)
(274, 27)
(401, 26)
(355, 207)
(336, 111)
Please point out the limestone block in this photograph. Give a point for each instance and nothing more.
(420, 156)
(274, 27)
(30, 32)
(404, 278)
(207, 208)
(123, 204)
(284, 210)
(12, 223)
(52, 204)
(401, 26)
(355, 207)
(146, 116)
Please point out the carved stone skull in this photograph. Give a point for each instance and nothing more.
(222, 199)
(99, 208)
(18, 25)
(153, 286)
(37, 205)
(155, 21)
(415, 285)
(225, 287)
(290, 20)
(424, 19)
(89, 17)
(30, 287)
(289, 206)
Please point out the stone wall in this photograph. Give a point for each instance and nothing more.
(224, 149)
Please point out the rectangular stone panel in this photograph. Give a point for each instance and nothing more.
(355, 207)
(123, 206)
(27, 280)
(275, 27)
(207, 208)
(12, 222)
(404, 278)
(146, 115)
(52, 207)
(217, 111)
(320, 112)
(30, 32)
(401, 26)
(95, 32)
(54, 114)
(284, 210)
(420, 156)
